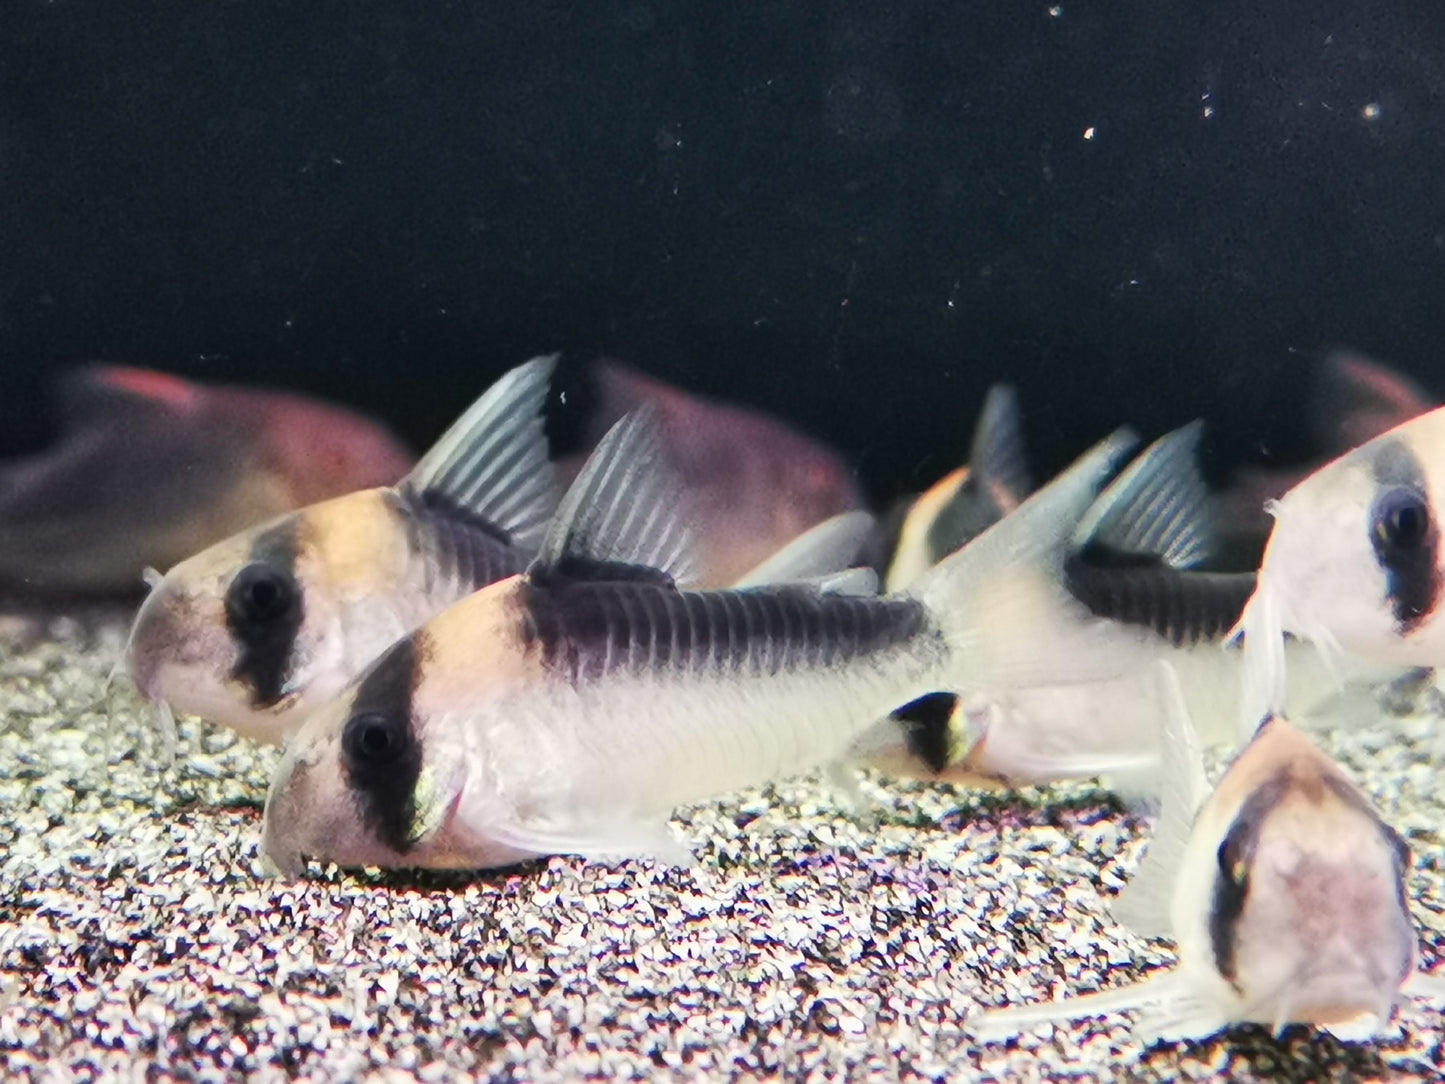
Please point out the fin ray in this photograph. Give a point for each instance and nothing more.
(492, 463)
(997, 456)
(825, 549)
(997, 1024)
(1159, 505)
(613, 840)
(622, 509)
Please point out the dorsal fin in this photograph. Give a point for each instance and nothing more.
(1145, 903)
(620, 517)
(823, 551)
(997, 456)
(1158, 506)
(997, 481)
(492, 463)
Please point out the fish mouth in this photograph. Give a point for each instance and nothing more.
(1324, 997)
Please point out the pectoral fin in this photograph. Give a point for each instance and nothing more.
(1168, 988)
(609, 841)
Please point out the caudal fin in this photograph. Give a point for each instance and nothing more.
(1001, 600)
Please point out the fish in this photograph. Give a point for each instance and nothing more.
(970, 498)
(254, 631)
(1283, 889)
(750, 483)
(1130, 574)
(1353, 563)
(1349, 399)
(150, 468)
(570, 709)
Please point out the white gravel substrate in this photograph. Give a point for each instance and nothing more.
(140, 939)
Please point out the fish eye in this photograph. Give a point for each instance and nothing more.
(260, 594)
(375, 739)
(1401, 519)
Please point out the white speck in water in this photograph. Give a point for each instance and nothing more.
(1371, 111)
(1056, 11)
(1089, 132)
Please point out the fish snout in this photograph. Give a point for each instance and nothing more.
(146, 649)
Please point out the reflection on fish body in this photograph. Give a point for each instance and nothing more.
(255, 630)
(1283, 889)
(571, 709)
(151, 469)
(1354, 563)
(750, 483)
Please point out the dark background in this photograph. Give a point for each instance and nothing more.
(855, 214)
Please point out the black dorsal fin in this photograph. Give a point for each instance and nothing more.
(997, 457)
(620, 518)
(998, 476)
(491, 466)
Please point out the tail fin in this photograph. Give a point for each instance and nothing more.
(1001, 600)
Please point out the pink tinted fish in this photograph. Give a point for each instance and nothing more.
(151, 468)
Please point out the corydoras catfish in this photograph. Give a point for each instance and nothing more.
(256, 630)
(968, 500)
(1354, 563)
(571, 709)
(150, 469)
(1283, 890)
(749, 482)
(1130, 573)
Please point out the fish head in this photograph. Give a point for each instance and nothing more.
(376, 776)
(1354, 559)
(356, 785)
(254, 630)
(1308, 921)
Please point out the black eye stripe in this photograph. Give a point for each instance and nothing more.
(1231, 878)
(1404, 535)
(264, 610)
(381, 755)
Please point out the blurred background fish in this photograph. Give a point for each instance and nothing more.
(150, 469)
(1349, 400)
